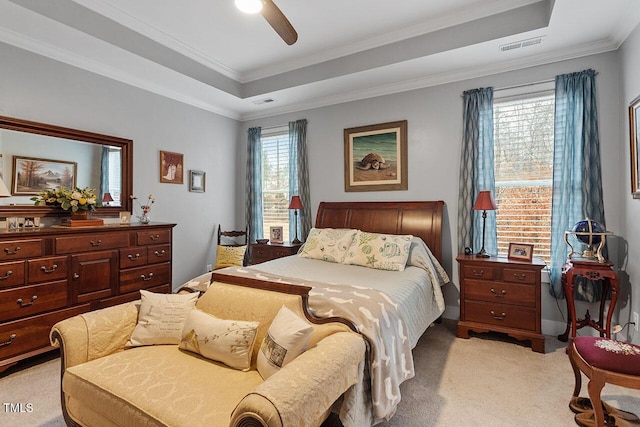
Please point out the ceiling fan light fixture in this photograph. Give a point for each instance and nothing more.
(249, 6)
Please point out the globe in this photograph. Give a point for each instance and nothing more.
(588, 226)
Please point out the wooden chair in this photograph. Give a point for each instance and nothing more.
(604, 361)
(235, 238)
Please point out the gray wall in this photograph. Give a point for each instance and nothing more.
(434, 139)
(36, 88)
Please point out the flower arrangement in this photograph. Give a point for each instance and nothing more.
(76, 199)
(146, 208)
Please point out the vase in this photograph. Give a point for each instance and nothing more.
(144, 219)
(80, 214)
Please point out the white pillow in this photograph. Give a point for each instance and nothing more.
(227, 341)
(327, 244)
(380, 251)
(161, 318)
(287, 338)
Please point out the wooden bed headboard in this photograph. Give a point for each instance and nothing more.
(422, 219)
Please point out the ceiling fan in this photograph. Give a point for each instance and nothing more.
(273, 15)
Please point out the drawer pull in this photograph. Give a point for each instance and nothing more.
(498, 317)
(53, 268)
(159, 254)
(11, 338)
(154, 237)
(98, 243)
(147, 278)
(478, 273)
(11, 252)
(23, 304)
(519, 276)
(7, 274)
(499, 295)
(133, 258)
(76, 276)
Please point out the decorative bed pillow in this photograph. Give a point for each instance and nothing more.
(380, 251)
(228, 256)
(161, 318)
(327, 244)
(227, 341)
(287, 338)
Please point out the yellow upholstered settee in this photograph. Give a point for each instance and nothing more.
(106, 384)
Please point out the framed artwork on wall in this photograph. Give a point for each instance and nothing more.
(634, 137)
(197, 181)
(375, 157)
(32, 175)
(171, 167)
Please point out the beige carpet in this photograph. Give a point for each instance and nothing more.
(482, 381)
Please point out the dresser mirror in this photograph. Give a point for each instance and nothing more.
(52, 156)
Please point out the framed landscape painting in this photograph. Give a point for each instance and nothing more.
(32, 175)
(375, 157)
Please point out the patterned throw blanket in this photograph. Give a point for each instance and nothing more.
(377, 318)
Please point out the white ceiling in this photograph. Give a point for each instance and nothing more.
(208, 54)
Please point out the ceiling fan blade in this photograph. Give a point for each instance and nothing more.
(279, 22)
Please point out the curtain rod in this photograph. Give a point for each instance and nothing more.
(526, 84)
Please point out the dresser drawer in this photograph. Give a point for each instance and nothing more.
(145, 277)
(134, 257)
(12, 274)
(479, 272)
(509, 316)
(152, 237)
(91, 242)
(520, 276)
(30, 334)
(500, 292)
(30, 300)
(47, 269)
(159, 253)
(18, 249)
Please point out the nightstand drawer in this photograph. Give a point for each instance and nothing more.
(520, 276)
(479, 272)
(500, 292)
(509, 316)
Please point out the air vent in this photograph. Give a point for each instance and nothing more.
(263, 101)
(522, 43)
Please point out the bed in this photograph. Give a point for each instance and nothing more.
(392, 309)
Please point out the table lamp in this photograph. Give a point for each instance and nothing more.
(106, 199)
(484, 203)
(296, 204)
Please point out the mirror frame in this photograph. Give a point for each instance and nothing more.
(126, 145)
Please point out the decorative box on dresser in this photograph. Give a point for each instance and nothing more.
(53, 273)
(261, 252)
(501, 295)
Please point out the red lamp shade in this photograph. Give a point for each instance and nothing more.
(106, 198)
(295, 203)
(485, 202)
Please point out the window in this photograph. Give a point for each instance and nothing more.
(275, 179)
(523, 157)
(115, 175)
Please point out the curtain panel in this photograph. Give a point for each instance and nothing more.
(476, 170)
(577, 176)
(254, 184)
(299, 179)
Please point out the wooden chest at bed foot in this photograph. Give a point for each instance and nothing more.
(501, 295)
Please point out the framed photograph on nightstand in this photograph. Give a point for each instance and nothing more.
(275, 233)
(520, 251)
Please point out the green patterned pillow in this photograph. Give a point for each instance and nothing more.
(328, 244)
(380, 251)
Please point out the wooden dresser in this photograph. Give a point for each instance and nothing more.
(53, 273)
(501, 295)
(261, 252)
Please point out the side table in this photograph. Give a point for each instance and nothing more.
(261, 252)
(601, 272)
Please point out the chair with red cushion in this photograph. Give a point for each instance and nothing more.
(603, 361)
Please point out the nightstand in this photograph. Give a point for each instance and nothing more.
(501, 295)
(261, 252)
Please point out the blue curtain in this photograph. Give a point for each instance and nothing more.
(299, 178)
(577, 178)
(254, 184)
(476, 171)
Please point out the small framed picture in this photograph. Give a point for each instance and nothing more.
(31, 222)
(275, 233)
(520, 251)
(125, 217)
(171, 167)
(197, 181)
(12, 223)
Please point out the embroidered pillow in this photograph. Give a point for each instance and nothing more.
(287, 338)
(327, 244)
(227, 341)
(228, 256)
(380, 251)
(161, 318)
